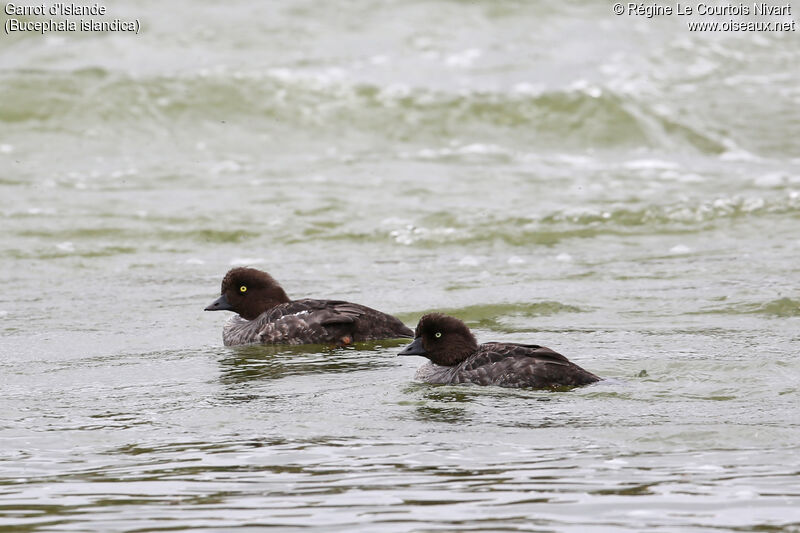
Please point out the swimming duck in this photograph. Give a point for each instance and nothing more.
(456, 357)
(266, 315)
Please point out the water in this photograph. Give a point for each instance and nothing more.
(617, 188)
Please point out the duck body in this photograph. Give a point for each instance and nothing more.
(510, 365)
(310, 321)
(456, 358)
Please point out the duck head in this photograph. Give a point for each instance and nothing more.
(248, 292)
(445, 340)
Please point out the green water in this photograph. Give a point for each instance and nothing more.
(617, 188)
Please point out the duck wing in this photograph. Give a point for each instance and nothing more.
(359, 321)
(318, 311)
(307, 321)
(492, 352)
(339, 312)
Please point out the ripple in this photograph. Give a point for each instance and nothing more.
(782, 307)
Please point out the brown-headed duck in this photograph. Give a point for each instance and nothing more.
(456, 357)
(266, 315)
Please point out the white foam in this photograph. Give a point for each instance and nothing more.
(482, 149)
(710, 468)
(771, 179)
(528, 89)
(738, 154)
(680, 249)
(650, 164)
(470, 260)
(226, 167)
(463, 59)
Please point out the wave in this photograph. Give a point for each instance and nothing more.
(281, 99)
(681, 217)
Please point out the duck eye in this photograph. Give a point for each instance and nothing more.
(438, 334)
(242, 289)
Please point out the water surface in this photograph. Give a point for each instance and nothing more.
(618, 189)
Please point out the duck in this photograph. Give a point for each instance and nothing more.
(457, 358)
(266, 315)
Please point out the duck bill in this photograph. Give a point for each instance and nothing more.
(415, 348)
(220, 304)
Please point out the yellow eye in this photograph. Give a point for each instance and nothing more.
(242, 289)
(438, 334)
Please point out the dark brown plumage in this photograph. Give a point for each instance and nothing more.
(457, 358)
(266, 315)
